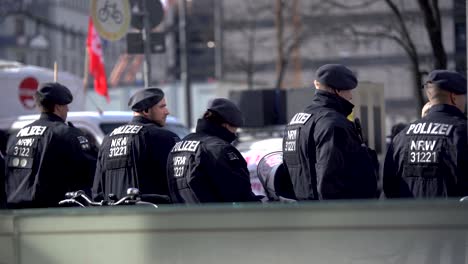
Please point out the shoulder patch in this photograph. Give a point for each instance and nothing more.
(84, 142)
(300, 119)
(232, 156)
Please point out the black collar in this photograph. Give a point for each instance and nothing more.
(51, 117)
(445, 108)
(326, 99)
(210, 128)
(144, 120)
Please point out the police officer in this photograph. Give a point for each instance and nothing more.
(2, 182)
(49, 157)
(430, 157)
(322, 150)
(135, 154)
(204, 167)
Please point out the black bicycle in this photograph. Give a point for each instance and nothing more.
(133, 197)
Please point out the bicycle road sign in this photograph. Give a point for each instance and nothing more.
(111, 18)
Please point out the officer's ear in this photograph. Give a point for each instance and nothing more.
(458, 100)
(144, 112)
(454, 99)
(317, 84)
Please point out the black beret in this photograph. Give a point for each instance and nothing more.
(54, 93)
(336, 76)
(145, 98)
(228, 111)
(448, 80)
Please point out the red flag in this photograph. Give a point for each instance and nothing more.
(96, 61)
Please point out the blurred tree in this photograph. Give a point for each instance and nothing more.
(244, 59)
(288, 37)
(431, 13)
(397, 30)
(288, 15)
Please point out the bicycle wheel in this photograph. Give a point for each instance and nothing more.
(103, 14)
(117, 16)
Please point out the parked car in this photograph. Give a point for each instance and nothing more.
(96, 125)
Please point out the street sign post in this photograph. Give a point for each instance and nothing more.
(146, 14)
(135, 43)
(153, 7)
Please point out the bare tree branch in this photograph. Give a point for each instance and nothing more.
(386, 35)
(432, 20)
(244, 60)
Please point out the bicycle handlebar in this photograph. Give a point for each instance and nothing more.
(72, 196)
(133, 197)
(71, 201)
(129, 199)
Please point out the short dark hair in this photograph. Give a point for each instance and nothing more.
(435, 93)
(213, 117)
(45, 106)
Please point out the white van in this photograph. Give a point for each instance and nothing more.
(96, 125)
(19, 84)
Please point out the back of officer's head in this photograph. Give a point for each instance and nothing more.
(337, 79)
(143, 103)
(223, 111)
(446, 87)
(51, 94)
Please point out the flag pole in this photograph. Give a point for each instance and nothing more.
(85, 71)
(85, 82)
(55, 71)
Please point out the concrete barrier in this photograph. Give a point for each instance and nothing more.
(348, 232)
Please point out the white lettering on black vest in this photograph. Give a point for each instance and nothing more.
(187, 145)
(31, 131)
(126, 129)
(429, 129)
(299, 119)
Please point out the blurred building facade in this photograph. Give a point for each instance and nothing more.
(41, 32)
(233, 43)
(325, 36)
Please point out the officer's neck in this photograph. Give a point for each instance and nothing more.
(53, 116)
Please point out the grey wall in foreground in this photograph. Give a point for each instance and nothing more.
(341, 233)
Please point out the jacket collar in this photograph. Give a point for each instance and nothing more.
(51, 117)
(144, 120)
(326, 99)
(210, 128)
(445, 108)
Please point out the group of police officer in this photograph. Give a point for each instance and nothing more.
(325, 156)
(50, 157)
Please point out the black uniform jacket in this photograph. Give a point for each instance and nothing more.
(429, 158)
(45, 160)
(205, 168)
(133, 155)
(2, 182)
(325, 156)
